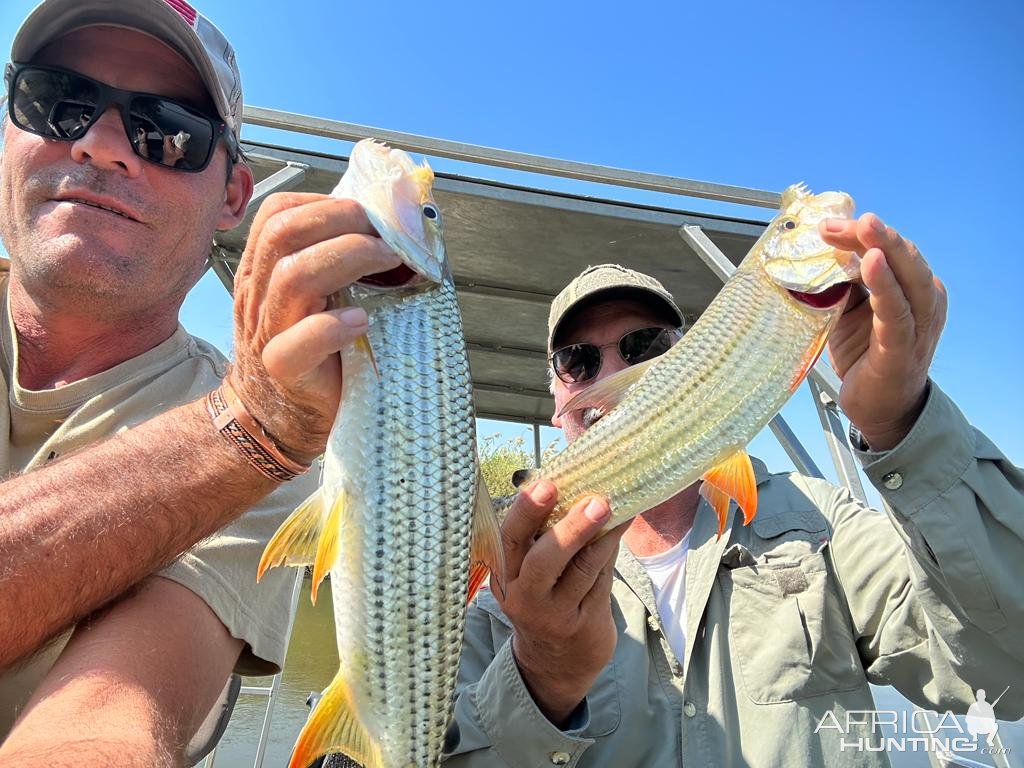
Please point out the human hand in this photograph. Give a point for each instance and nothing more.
(557, 595)
(883, 345)
(302, 249)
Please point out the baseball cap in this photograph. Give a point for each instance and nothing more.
(173, 22)
(602, 278)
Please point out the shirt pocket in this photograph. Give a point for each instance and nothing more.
(603, 696)
(789, 636)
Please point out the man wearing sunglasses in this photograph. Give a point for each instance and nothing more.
(120, 160)
(680, 648)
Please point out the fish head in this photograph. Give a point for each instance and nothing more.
(398, 197)
(796, 258)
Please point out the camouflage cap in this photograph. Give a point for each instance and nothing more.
(606, 277)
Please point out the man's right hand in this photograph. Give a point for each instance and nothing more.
(302, 248)
(558, 597)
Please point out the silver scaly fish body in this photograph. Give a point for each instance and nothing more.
(698, 405)
(401, 514)
(405, 460)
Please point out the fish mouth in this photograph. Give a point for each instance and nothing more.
(825, 299)
(400, 277)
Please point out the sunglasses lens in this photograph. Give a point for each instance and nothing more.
(170, 134)
(53, 104)
(577, 362)
(645, 344)
(62, 105)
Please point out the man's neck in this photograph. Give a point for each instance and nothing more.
(56, 348)
(665, 525)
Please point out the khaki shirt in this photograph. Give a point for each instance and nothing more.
(789, 619)
(43, 425)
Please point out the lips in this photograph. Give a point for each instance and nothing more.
(103, 204)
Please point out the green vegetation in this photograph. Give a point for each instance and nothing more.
(499, 460)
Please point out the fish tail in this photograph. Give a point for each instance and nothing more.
(334, 726)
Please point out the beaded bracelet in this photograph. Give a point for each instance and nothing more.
(239, 428)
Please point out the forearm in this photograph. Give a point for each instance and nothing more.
(78, 533)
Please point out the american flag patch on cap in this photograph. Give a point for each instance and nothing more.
(186, 11)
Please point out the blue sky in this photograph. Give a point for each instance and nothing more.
(915, 108)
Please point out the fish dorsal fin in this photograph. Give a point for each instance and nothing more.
(793, 193)
(731, 479)
(486, 553)
(608, 392)
(334, 726)
(295, 542)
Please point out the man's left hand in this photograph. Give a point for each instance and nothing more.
(883, 345)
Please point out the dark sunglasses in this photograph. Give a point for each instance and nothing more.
(60, 104)
(581, 362)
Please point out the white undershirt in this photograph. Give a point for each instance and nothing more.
(667, 571)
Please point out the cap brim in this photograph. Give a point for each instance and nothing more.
(603, 294)
(54, 18)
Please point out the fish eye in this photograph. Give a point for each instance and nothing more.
(431, 212)
(789, 224)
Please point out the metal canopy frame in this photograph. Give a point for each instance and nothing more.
(513, 247)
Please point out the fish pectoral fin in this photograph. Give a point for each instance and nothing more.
(334, 726)
(328, 543)
(809, 359)
(295, 542)
(363, 344)
(486, 553)
(731, 479)
(607, 393)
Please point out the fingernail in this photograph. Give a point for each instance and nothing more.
(877, 224)
(354, 317)
(542, 492)
(597, 511)
(834, 225)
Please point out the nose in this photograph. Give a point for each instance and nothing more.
(611, 362)
(105, 145)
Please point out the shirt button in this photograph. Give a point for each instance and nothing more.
(893, 481)
(560, 758)
(689, 709)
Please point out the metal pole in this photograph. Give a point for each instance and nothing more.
(536, 445)
(282, 180)
(837, 440)
(794, 449)
(276, 685)
(220, 267)
(520, 161)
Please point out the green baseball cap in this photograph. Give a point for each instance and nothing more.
(607, 278)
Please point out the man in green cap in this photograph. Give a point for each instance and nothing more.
(680, 648)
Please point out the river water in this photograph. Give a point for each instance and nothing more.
(313, 660)
(311, 663)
